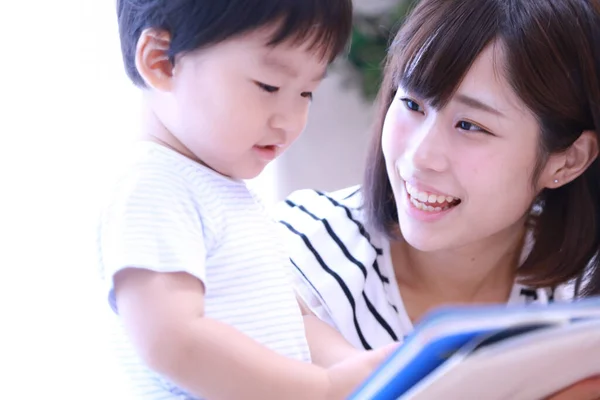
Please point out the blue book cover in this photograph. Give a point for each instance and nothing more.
(449, 330)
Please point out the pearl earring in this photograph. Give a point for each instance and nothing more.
(556, 181)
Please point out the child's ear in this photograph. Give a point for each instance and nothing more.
(152, 59)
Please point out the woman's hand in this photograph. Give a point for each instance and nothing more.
(588, 389)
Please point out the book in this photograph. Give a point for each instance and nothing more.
(494, 352)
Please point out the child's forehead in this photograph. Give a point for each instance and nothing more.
(291, 65)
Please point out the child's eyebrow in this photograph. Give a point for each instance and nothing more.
(280, 65)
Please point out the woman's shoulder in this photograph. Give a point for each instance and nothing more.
(337, 260)
(331, 218)
(327, 237)
(309, 210)
(321, 202)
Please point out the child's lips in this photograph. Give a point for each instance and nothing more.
(267, 152)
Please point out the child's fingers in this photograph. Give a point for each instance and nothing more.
(380, 354)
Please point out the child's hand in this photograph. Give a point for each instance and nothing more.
(347, 375)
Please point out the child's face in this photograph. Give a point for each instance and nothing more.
(238, 105)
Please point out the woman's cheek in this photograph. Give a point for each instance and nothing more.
(394, 135)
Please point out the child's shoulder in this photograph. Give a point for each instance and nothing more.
(161, 164)
(153, 172)
(157, 180)
(158, 170)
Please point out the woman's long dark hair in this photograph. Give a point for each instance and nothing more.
(552, 61)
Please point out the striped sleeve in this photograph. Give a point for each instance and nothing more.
(154, 223)
(336, 260)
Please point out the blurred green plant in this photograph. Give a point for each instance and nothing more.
(371, 36)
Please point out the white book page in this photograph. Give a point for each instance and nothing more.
(529, 367)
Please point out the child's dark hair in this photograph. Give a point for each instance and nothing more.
(195, 24)
(552, 61)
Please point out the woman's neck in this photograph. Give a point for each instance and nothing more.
(483, 272)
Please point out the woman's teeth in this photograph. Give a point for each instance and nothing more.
(428, 201)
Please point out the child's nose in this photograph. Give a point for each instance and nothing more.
(290, 120)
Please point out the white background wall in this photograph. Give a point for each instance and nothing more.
(67, 114)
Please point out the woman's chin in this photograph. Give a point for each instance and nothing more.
(426, 238)
(425, 244)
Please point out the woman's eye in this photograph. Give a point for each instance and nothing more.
(267, 88)
(470, 127)
(307, 95)
(412, 105)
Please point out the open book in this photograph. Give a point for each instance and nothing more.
(493, 352)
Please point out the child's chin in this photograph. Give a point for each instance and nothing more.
(249, 174)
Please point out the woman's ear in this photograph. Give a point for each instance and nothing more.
(152, 59)
(564, 167)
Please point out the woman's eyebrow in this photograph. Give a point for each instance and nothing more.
(477, 104)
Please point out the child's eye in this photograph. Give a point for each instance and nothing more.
(412, 105)
(307, 95)
(267, 88)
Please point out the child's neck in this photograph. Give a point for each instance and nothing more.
(153, 130)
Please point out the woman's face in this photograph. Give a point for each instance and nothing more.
(462, 174)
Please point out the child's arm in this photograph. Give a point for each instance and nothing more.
(163, 314)
(327, 346)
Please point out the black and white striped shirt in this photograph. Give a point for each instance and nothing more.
(344, 269)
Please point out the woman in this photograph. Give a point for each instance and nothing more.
(482, 183)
